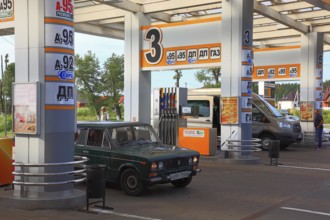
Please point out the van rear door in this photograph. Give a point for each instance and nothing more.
(205, 106)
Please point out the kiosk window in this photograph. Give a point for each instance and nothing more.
(203, 105)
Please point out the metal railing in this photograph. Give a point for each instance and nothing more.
(251, 145)
(24, 172)
(310, 137)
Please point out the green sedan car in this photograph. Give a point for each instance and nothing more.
(134, 155)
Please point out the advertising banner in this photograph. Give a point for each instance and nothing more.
(276, 72)
(25, 116)
(229, 110)
(182, 45)
(276, 64)
(307, 111)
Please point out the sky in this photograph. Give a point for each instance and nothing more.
(103, 48)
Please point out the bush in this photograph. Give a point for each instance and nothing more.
(86, 114)
(326, 116)
(325, 113)
(9, 125)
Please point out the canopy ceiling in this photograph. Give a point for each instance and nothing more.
(276, 22)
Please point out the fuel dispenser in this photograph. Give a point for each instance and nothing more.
(167, 112)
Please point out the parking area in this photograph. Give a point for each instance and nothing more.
(298, 188)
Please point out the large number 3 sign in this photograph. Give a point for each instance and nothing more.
(155, 53)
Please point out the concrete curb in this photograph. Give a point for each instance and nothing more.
(77, 199)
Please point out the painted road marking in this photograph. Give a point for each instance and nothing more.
(306, 211)
(122, 214)
(305, 168)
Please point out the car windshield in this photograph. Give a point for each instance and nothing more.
(133, 135)
(266, 107)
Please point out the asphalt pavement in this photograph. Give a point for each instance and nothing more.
(298, 187)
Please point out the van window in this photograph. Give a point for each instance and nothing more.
(256, 114)
(203, 105)
(265, 107)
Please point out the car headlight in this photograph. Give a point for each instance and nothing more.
(160, 165)
(284, 125)
(154, 166)
(193, 160)
(157, 165)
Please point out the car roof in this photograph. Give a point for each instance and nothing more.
(111, 124)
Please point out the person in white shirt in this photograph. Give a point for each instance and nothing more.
(104, 116)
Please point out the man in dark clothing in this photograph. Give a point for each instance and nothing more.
(216, 118)
(216, 115)
(318, 124)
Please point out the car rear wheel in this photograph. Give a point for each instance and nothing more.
(131, 183)
(266, 141)
(182, 182)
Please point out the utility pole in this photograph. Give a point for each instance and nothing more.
(1, 69)
(2, 106)
(6, 60)
(5, 96)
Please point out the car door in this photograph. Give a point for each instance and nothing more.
(94, 144)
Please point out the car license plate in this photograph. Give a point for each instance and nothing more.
(181, 175)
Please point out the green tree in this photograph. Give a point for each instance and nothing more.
(255, 87)
(113, 81)
(8, 79)
(326, 85)
(88, 81)
(282, 90)
(177, 77)
(209, 77)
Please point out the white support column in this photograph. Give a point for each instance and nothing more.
(40, 56)
(237, 61)
(261, 88)
(311, 84)
(137, 83)
(29, 57)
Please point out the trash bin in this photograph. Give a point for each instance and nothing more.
(274, 149)
(95, 180)
(96, 186)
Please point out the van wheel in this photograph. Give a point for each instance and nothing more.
(266, 140)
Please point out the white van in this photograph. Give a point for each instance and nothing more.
(267, 122)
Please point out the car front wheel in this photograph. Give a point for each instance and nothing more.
(182, 182)
(131, 183)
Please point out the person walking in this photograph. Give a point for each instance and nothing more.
(104, 114)
(318, 124)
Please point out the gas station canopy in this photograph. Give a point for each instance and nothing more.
(276, 22)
